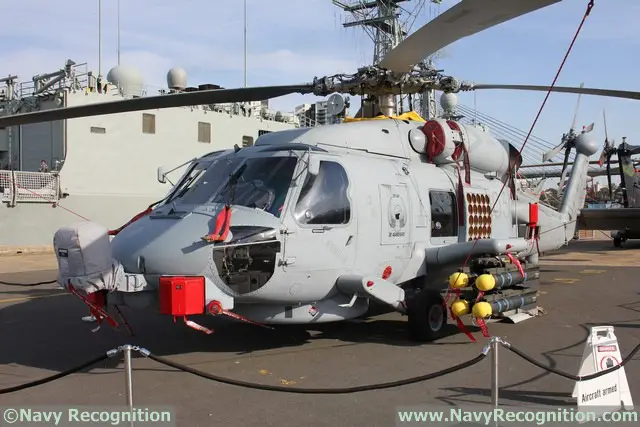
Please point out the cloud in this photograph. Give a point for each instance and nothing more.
(613, 20)
(292, 41)
(288, 41)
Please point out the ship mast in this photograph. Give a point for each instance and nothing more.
(99, 39)
(380, 20)
(245, 43)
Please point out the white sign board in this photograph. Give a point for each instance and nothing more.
(610, 391)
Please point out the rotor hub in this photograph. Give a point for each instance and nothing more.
(585, 144)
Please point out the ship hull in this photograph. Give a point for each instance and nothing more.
(29, 227)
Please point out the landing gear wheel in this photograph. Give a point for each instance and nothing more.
(427, 316)
(617, 242)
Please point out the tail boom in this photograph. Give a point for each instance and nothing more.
(558, 227)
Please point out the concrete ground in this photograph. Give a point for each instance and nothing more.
(588, 283)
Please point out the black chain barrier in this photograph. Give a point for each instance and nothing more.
(59, 375)
(346, 390)
(27, 284)
(565, 374)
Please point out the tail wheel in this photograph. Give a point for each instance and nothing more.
(427, 316)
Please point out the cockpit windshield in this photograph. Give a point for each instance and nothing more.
(258, 182)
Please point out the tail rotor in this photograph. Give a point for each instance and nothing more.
(608, 151)
(567, 143)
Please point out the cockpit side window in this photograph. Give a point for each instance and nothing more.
(323, 198)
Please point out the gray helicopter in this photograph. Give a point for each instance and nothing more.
(310, 225)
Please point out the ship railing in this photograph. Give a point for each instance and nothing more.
(79, 80)
(33, 187)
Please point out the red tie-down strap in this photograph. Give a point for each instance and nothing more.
(481, 324)
(458, 321)
(514, 261)
(221, 231)
(96, 302)
(194, 325)
(215, 308)
(135, 218)
(460, 149)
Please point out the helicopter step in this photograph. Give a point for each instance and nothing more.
(333, 309)
(372, 287)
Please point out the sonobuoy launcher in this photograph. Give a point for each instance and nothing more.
(497, 288)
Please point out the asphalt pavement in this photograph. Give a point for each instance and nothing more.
(589, 283)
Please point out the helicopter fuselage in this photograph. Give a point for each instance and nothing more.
(322, 220)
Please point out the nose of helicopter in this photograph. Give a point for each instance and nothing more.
(172, 245)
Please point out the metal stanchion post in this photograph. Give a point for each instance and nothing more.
(495, 344)
(127, 378)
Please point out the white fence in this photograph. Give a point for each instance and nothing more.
(33, 187)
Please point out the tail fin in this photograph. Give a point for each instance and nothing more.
(576, 189)
(558, 227)
(631, 179)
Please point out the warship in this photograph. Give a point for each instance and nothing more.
(106, 168)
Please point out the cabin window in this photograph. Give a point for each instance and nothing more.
(323, 198)
(204, 132)
(262, 132)
(247, 141)
(148, 123)
(96, 129)
(443, 214)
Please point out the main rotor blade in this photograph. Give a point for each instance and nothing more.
(213, 96)
(564, 89)
(462, 20)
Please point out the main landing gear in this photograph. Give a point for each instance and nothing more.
(427, 315)
(619, 237)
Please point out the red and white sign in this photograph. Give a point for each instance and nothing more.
(607, 392)
(608, 362)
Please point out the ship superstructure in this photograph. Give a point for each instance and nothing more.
(103, 168)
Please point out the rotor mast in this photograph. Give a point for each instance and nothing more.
(380, 20)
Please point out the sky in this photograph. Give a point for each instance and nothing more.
(292, 41)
